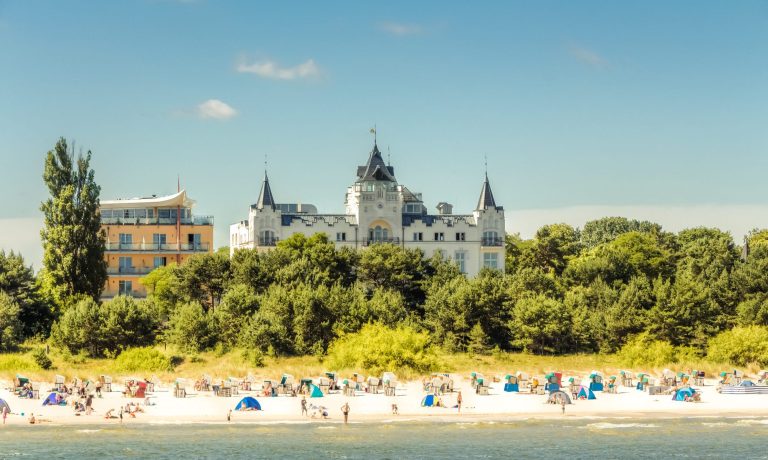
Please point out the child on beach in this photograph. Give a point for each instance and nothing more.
(345, 411)
(5, 413)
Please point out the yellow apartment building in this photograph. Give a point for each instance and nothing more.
(146, 233)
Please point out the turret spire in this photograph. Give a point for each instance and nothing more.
(486, 195)
(266, 200)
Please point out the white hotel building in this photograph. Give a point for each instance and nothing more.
(378, 209)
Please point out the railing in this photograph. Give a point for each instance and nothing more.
(194, 220)
(371, 241)
(128, 270)
(268, 241)
(492, 241)
(156, 247)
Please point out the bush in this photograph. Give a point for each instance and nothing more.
(643, 351)
(253, 357)
(377, 348)
(143, 359)
(190, 328)
(10, 326)
(42, 359)
(740, 346)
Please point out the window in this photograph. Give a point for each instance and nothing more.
(461, 261)
(126, 239)
(439, 236)
(124, 287)
(159, 239)
(491, 260)
(125, 265)
(378, 234)
(341, 236)
(461, 236)
(164, 213)
(413, 208)
(160, 262)
(418, 236)
(194, 241)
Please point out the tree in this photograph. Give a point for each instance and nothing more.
(607, 229)
(204, 278)
(388, 266)
(10, 326)
(72, 238)
(540, 325)
(190, 328)
(18, 281)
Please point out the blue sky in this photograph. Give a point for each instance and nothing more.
(576, 104)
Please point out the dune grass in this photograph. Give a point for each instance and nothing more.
(235, 364)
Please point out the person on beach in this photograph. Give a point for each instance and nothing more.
(32, 419)
(345, 411)
(229, 415)
(394, 409)
(562, 404)
(5, 413)
(121, 415)
(459, 401)
(304, 406)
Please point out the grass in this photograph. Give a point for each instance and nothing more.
(232, 363)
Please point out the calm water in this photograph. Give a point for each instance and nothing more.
(606, 438)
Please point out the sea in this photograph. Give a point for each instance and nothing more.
(695, 438)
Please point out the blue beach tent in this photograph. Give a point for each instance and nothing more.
(52, 401)
(248, 403)
(315, 391)
(3, 403)
(430, 401)
(585, 393)
(682, 393)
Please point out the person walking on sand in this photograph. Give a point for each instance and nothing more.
(345, 411)
(458, 401)
(229, 415)
(121, 415)
(304, 406)
(5, 413)
(562, 404)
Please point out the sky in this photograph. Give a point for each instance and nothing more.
(655, 110)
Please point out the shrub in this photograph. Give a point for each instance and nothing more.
(643, 351)
(377, 348)
(13, 363)
(143, 359)
(42, 359)
(253, 357)
(740, 346)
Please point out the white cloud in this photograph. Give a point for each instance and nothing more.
(273, 70)
(587, 56)
(214, 108)
(399, 29)
(736, 219)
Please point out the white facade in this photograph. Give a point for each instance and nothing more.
(378, 209)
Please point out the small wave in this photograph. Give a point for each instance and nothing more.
(714, 424)
(326, 428)
(88, 431)
(613, 426)
(753, 421)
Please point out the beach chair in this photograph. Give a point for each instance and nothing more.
(224, 390)
(36, 390)
(389, 381)
(373, 385)
(106, 383)
(286, 385)
(205, 383)
(58, 383)
(324, 383)
(483, 386)
(180, 389)
(333, 381)
(248, 382)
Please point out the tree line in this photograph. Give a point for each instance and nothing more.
(565, 290)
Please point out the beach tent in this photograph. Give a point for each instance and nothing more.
(554, 381)
(54, 400)
(3, 403)
(557, 397)
(682, 393)
(314, 391)
(511, 384)
(248, 403)
(431, 401)
(595, 381)
(585, 393)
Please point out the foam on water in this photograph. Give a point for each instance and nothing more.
(613, 426)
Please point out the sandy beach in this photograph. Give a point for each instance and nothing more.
(205, 407)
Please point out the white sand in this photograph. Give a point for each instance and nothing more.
(205, 407)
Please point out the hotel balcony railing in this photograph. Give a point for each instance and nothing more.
(268, 241)
(194, 220)
(492, 241)
(371, 241)
(157, 247)
(113, 294)
(128, 270)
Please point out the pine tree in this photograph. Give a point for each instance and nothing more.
(72, 238)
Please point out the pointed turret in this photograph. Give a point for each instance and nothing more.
(486, 196)
(266, 200)
(376, 169)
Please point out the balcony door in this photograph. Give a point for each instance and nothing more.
(125, 264)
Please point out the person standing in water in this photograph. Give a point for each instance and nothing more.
(562, 404)
(345, 411)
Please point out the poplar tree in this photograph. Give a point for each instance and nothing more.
(73, 241)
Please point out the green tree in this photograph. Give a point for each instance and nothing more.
(540, 325)
(72, 238)
(18, 281)
(607, 229)
(10, 326)
(204, 278)
(389, 266)
(190, 328)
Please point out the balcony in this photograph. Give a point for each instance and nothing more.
(194, 220)
(381, 240)
(268, 241)
(112, 246)
(128, 271)
(492, 241)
